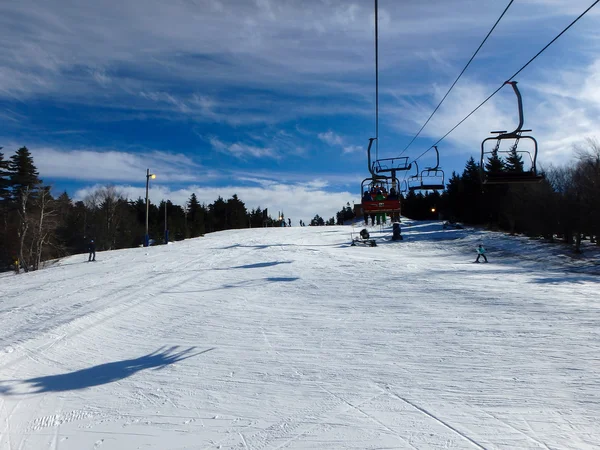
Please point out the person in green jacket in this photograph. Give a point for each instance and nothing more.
(381, 216)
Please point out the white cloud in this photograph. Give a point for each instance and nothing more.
(199, 45)
(561, 108)
(331, 138)
(113, 166)
(335, 140)
(242, 150)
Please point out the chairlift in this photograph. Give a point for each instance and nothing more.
(388, 184)
(387, 205)
(432, 178)
(385, 165)
(511, 176)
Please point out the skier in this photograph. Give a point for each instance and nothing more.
(92, 250)
(481, 252)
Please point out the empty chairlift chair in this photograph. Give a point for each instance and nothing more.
(517, 173)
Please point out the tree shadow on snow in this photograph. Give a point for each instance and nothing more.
(103, 373)
(568, 278)
(265, 246)
(240, 284)
(258, 265)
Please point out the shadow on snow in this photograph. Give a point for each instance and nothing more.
(259, 265)
(104, 373)
(241, 284)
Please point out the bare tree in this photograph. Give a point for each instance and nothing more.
(45, 226)
(23, 225)
(110, 198)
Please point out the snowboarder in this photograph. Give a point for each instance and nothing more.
(92, 250)
(480, 253)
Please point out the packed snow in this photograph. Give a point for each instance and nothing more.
(291, 338)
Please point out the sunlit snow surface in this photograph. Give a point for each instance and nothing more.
(290, 338)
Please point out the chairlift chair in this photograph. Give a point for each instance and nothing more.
(505, 176)
(429, 179)
(387, 206)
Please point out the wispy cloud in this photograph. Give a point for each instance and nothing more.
(560, 118)
(264, 77)
(242, 150)
(331, 138)
(335, 140)
(112, 165)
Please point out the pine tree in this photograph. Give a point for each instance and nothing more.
(218, 217)
(317, 221)
(4, 179)
(196, 217)
(24, 182)
(472, 197)
(23, 175)
(4, 201)
(514, 161)
(494, 163)
(237, 214)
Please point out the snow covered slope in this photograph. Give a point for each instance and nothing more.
(290, 338)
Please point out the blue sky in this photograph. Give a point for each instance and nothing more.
(275, 99)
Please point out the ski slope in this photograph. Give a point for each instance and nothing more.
(288, 338)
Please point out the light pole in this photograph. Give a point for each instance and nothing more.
(166, 228)
(148, 176)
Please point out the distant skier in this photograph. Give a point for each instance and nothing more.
(92, 250)
(480, 253)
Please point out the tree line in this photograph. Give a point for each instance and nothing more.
(565, 205)
(35, 226)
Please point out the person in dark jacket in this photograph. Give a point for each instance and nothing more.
(92, 250)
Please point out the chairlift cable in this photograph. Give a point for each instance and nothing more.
(509, 79)
(458, 78)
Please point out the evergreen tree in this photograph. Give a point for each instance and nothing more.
(237, 214)
(494, 164)
(4, 180)
(195, 217)
(218, 217)
(453, 207)
(24, 182)
(472, 196)
(4, 201)
(514, 161)
(23, 174)
(317, 221)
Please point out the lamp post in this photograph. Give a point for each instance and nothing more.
(166, 228)
(148, 176)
